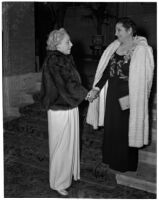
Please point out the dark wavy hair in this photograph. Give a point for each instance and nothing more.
(127, 23)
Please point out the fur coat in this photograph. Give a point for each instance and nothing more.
(61, 87)
(140, 82)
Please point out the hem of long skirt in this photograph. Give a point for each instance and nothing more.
(123, 170)
(65, 186)
(61, 188)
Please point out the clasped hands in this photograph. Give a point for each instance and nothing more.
(92, 94)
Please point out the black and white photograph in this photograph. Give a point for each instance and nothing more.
(79, 99)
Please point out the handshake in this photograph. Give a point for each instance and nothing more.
(92, 94)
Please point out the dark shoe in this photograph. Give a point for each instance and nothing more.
(110, 179)
(100, 170)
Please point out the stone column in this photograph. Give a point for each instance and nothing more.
(18, 51)
(18, 38)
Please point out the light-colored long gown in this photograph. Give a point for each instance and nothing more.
(63, 128)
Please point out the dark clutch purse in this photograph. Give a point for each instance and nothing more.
(124, 102)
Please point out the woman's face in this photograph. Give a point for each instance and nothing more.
(122, 33)
(65, 45)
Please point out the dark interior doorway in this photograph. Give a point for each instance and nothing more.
(44, 23)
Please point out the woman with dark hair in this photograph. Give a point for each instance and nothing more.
(119, 97)
(61, 93)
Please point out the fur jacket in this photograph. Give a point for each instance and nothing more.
(61, 87)
(140, 82)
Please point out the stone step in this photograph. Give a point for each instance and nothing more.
(12, 112)
(10, 118)
(38, 85)
(143, 179)
(154, 124)
(155, 98)
(24, 99)
(154, 106)
(153, 133)
(147, 157)
(151, 148)
(154, 114)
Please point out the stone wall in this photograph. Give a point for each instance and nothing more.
(17, 92)
(18, 38)
(18, 54)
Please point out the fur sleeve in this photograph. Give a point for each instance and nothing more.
(66, 81)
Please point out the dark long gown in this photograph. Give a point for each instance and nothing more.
(116, 151)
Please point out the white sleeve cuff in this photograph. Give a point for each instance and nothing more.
(96, 88)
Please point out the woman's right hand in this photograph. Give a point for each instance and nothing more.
(92, 94)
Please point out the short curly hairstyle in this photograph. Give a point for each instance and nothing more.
(127, 23)
(55, 38)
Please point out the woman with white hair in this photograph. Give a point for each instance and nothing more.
(61, 93)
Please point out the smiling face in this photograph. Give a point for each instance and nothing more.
(65, 45)
(122, 33)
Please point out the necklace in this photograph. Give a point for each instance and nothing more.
(126, 48)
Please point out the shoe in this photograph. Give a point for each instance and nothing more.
(62, 192)
(100, 170)
(110, 180)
